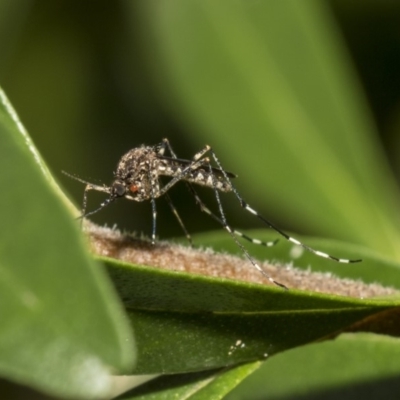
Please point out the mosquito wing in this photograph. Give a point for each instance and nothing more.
(184, 163)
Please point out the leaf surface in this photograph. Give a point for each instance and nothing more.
(56, 304)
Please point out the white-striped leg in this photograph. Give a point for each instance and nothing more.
(153, 207)
(154, 214)
(206, 210)
(166, 145)
(274, 227)
(230, 231)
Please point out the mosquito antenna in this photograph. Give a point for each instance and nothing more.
(92, 186)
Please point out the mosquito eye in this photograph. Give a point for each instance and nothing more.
(119, 189)
(133, 188)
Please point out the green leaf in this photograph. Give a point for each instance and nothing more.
(182, 342)
(147, 288)
(206, 385)
(269, 85)
(185, 322)
(352, 366)
(62, 331)
(12, 16)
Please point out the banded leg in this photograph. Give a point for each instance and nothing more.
(244, 205)
(153, 206)
(166, 145)
(230, 231)
(206, 210)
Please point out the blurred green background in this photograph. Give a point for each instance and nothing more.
(300, 99)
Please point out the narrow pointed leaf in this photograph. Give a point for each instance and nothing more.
(271, 88)
(206, 385)
(62, 328)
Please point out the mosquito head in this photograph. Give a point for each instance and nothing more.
(118, 189)
(135, 189)
(129, 188)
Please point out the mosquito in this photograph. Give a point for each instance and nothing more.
(137, 178)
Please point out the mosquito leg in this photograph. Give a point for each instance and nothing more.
(166, 144)
(206, 210)
(161, 150)
(244, 205)
(104, 204)
(179, 219)
(152, 180)
(231, 232)
(84, 202)
(161, 147)
(97, 188)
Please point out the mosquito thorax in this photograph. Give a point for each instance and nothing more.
(135, 163)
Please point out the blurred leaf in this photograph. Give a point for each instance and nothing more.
(207, 385)
(62, 328)
(353, 366)
(270, 85)
(12, 17)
